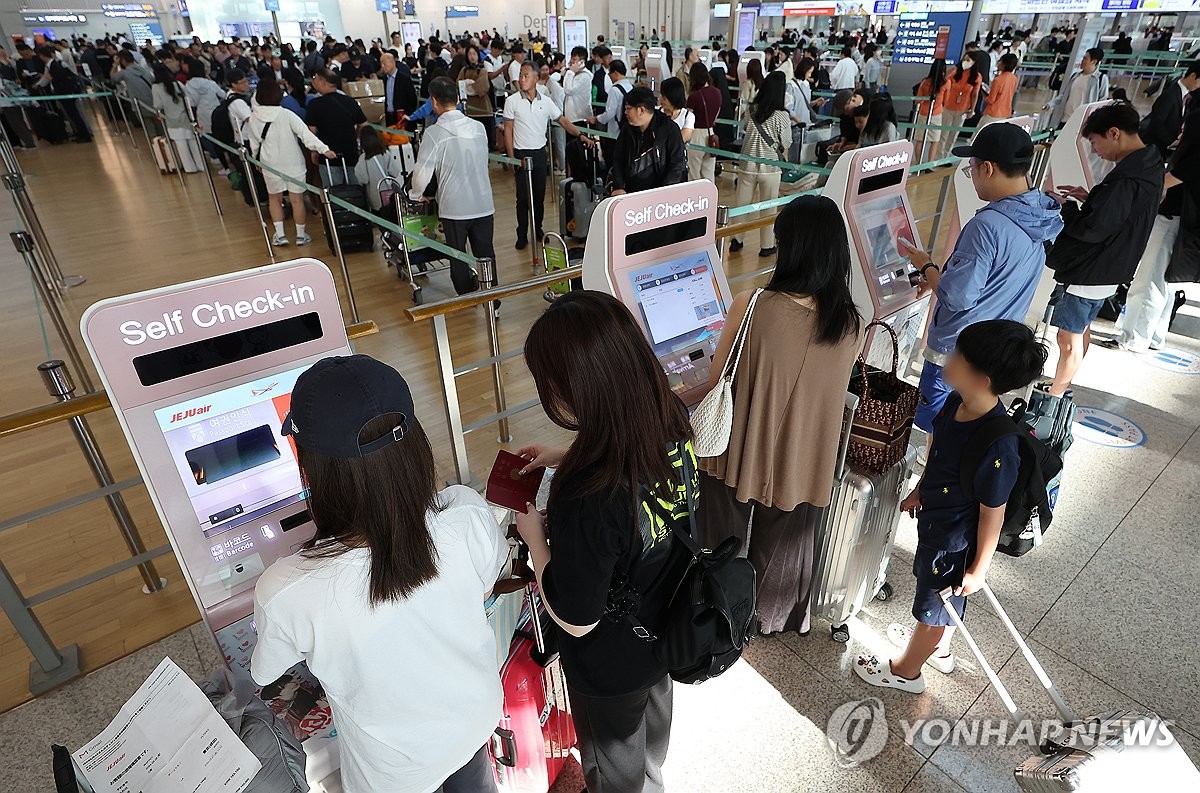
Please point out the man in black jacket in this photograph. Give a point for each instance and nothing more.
(398, 87)
(1162, 127)
(649, 151)
(1104, 238)
(64, 82)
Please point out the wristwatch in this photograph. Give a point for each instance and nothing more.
(926, 267)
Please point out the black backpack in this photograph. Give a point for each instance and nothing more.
(711, 617)
(1030, 507)
(220, 125)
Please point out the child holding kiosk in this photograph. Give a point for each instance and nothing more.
(958, 531)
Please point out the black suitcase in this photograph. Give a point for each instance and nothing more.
(48, 123)
(355, 232)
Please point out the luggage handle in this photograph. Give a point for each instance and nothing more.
(504, 747)
(345, 171)
(1064, 711)
(852, 401)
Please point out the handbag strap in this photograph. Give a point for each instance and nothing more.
(765, 136)
(895, 344)
(743, 331)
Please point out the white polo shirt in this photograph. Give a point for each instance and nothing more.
(530, 119)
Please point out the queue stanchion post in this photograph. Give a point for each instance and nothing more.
(8, 154)
(488, 280)
(534, 237)
(722, 222)
(173, 150)
(207, 166)
(15, 183)
(58, 383)
(125, 118)
(23, 242)
(50, 667)
(248, 169)
(137, 110)
(450, 403)
(337, 250)
(938, 219)
(925, 136)
(37, 260)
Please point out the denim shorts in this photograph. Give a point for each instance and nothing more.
(1074, 314)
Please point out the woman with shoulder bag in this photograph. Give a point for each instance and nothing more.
(705, 101)
(792, 346)
(610, 541)
(768, 136)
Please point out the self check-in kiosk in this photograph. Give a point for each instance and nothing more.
(656, 67)
(656, 252)
(200, 376)
(869, 186)
(744, 63)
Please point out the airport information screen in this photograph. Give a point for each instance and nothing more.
(884, 221)
(227, 447)
(681, 307)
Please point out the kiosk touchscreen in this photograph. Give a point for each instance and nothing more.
(744, 63)
(655, 251)
(868, 184)
(200, 376)
(656, 67)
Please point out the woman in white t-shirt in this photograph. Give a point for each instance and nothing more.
(386, 603)
(671, 101)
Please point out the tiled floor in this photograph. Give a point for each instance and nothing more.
(1104, 603)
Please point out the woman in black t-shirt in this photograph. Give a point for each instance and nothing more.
(610, 528)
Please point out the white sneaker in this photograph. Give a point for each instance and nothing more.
(303, 239)
(900, 635)
(223, 172)
(279, 241)
(879, 673)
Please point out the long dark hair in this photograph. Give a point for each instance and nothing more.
(882, 113)
(754, 72)
(937, 75)
(380, 501)
(596, 375)
(163, 76)
(814, 259)
(771, 97)
(698, 76)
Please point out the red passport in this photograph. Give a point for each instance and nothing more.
(506, 486)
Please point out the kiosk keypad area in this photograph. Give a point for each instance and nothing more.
(656, 252)
(200, 376)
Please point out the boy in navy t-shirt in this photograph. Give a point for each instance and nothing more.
(957, 535)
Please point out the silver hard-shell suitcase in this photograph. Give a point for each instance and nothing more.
(1117, 751)
(854, 539)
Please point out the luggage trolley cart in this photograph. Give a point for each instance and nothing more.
(559, 257)
(418, 217)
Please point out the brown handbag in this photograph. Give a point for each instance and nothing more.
(886, 409)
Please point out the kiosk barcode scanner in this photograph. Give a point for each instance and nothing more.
(656, 252)
(868, 184)
(200, 376)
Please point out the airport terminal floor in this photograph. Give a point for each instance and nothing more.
(1103, 603)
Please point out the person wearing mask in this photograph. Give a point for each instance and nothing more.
(691, 56)
(787, 409)
(705, 101)
(649, 152)
(881, 123)
(997, 260)
(527, 115)
(170, 101)
(1148, 307)
(998, 105)
(619, 494)
(768, 136)
(845, 72)
(455, 150)
(1163, 127)
(275, 136)
(474, 83)
(929, 111)
(672, 103)
(872, 68)
(411, 567)
(960, 93)
(1105, 235)
(63, 81)
(983, 61)
(335, 118)
(375, 165)
(1087, 84)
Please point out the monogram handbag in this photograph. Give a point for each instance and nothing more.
(886, 409)
(712, 421)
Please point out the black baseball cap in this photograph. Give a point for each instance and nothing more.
(1000, 142)
(338, 396)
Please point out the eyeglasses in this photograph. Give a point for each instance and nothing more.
(966, 169)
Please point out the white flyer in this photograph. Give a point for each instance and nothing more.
(167, 738)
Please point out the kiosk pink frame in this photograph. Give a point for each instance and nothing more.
(200, 376)
(869, 186)
(656, 252)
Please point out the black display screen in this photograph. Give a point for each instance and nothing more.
(661, 236)
(199, 356)
(887, 179)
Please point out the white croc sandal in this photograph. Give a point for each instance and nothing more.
(900, 635)
(879, 673)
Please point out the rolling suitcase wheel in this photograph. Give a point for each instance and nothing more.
(840, 633)
(418, 296)
(885, 592)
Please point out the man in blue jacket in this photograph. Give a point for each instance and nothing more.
(998, 258)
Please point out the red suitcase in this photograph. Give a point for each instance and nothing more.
(536, 733)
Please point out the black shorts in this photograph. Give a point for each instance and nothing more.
(935, 570)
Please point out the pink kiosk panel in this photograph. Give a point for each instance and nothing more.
(200, 376)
